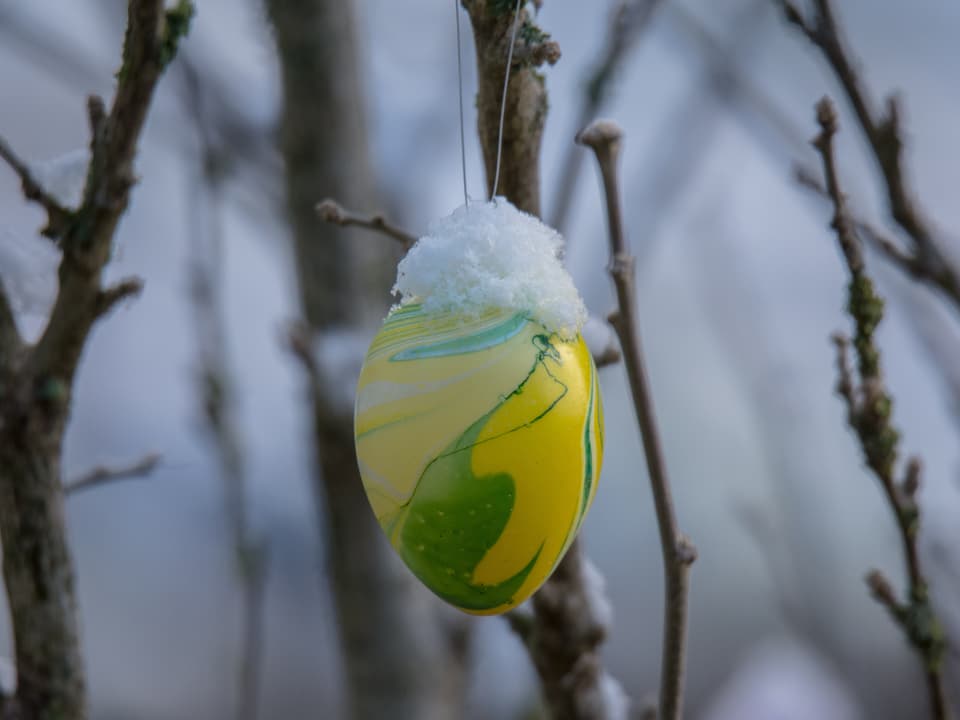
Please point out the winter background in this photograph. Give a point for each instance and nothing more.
(740, 286)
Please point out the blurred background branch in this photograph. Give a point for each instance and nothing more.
(399, 658)
(107, 473)
(629, 19)
(332, 212)
(217, 390)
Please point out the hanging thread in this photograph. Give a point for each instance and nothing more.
(463, 135)
(503, 99)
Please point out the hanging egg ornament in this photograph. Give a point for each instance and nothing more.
(479, 425)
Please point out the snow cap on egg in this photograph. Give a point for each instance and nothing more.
(490, 256)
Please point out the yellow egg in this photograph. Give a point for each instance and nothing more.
(479, 442)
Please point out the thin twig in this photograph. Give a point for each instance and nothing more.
(755, 100)
(869, 413)
(331, 211)
(905, 260)
(602, 341)
(58, 216)
(111, 296)
(883, 133)
(103, 474)
(604, 139)
(610, 355)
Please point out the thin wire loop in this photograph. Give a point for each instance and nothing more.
(463, 134)
(503, 100)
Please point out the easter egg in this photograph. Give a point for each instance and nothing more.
(479, 441)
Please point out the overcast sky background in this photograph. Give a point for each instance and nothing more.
(740, 288)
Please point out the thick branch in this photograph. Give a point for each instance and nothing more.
(331, 211)
(884, 135)
(869, 413)
(397, 662)
(9, 335)
(37, 567)
(151, 38)
(564, 636)
(678, 552)
(526, 105)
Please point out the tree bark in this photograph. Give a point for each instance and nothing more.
(526, 105)
(38, 569)
(395, 652)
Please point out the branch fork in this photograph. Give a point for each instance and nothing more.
(926, 260)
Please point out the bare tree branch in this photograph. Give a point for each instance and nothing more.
(253, 158)
(57, 215)
(629, 19)
(883, 133)
(563, 637)
(9, 334)
(37, 568)
(891, 249)
(869, 413)
(610, 355)
(111, 296)
(331, 211)
(526, 105)
(788, 134)
(678, 552)
(103, 474)
(152, 37)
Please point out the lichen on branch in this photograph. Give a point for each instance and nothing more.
(869, 407)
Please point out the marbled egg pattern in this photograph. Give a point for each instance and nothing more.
(480, 443)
